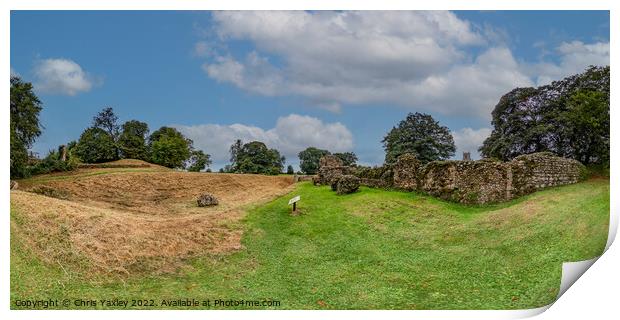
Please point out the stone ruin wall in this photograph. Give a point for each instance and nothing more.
(470, 182)
(465, 181)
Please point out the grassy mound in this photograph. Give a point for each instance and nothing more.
(373, 249)
(124, 223)
(123, 163)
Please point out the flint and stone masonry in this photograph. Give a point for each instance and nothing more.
(470, 182)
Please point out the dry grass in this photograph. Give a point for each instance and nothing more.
(123, 163)
(135, 221)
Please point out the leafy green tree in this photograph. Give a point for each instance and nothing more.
(169, 148)
(132, 140)
(569, 117)
(420, 135)
(107, 120)
(234, 150)
(290, 170)
(198, 161)
(587, 126)
(348, 158)
(255, 157)
(516, 129)
(94, 146)
(309, 159)
(24, 124)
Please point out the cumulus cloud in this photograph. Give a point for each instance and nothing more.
(471, 89)
(291, 134)
(574, 57)
(416, 59)
(61, 76)
(336, 58)
(255, 73)
(469, 140)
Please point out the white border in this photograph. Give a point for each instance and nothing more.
(595, 294)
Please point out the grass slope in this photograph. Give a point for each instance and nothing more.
(373, 249)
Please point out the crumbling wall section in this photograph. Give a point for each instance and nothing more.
(471, 182)
(532, 172)
(474, 182)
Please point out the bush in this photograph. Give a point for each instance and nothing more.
(52, 163)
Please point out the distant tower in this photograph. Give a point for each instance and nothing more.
(466, 156)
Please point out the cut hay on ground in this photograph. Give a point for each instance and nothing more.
(123, 163)
(132, 222)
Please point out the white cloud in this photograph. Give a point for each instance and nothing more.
(203, 49)
(469, 140)
(471, 89)
(415, 59)
(61, 76)
(255, 73)
(574, 57)
(334, 58)
(290, 135)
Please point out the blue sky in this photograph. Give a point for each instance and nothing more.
(335, 80)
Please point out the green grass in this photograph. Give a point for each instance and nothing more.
(373, 249)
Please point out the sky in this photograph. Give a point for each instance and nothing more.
(333, 80)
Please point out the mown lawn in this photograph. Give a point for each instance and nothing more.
(373, 249)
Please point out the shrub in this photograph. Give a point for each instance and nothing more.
(53, 163)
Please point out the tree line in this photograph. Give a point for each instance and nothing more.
(105, 140)
(569, 117)
(256, 157)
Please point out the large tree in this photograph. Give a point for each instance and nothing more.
(309, 159)
(95, 146)
(107, 120)
(132, 140)
(198, 161)
(169, 148)
(255, 157)
(569, 117)
(420, 135)
(587, 126)
(234, 150)
(24, 124)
